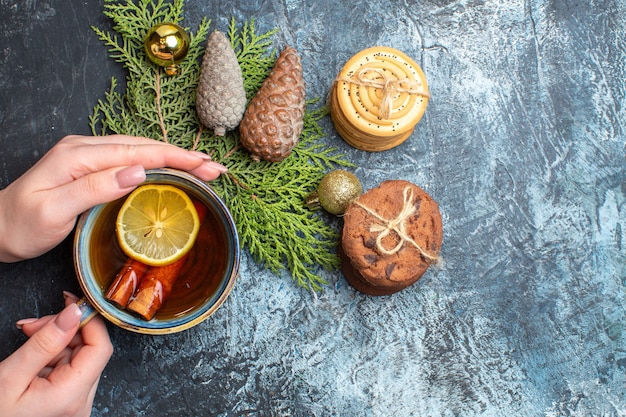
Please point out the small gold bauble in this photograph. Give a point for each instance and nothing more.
(335, 192)
(166, 45)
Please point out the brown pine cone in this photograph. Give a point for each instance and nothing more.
(221, 97)
(273, 121)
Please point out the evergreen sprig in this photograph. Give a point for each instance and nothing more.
(266, 199)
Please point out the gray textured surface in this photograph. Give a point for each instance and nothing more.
(523, 147)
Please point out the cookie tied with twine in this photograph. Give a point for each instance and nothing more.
(391, 235)
(377, 99)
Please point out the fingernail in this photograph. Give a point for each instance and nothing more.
(67, 294)
(68, 318)
(22, 322)
(131, 176)
(201, 155)
(219, 167)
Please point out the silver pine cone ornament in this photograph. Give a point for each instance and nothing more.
(273, 121)
(221, 97)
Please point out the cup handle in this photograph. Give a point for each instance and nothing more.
(88, 311)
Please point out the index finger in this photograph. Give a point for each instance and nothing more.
(122, 139)
(99, 156)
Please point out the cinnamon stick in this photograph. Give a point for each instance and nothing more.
(125, 283)
(154, 288)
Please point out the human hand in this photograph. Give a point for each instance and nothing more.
(56, 372)
(39, 209)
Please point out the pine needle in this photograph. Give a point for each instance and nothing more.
(266, 199)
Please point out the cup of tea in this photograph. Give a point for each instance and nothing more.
(204, 283)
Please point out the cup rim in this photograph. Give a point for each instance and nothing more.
(124, 319)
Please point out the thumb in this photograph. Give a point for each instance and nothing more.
(42, 347)
(96, 188)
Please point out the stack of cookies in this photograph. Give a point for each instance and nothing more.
(391, 235)
(378, 98)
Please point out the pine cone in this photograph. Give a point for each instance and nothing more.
(221, 97)
(273, 121)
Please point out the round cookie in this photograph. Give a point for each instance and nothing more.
(378, 97)
(391, 235)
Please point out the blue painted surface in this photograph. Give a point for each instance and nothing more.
(522, 145)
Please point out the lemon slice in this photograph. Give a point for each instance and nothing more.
(157, 224)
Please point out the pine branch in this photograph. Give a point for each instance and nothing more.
(254, 54)
(266, 199)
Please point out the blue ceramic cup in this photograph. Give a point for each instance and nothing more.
(211, 275)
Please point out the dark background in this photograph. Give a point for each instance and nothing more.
(522, 145)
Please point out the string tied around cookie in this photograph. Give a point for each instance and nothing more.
(389, 85)
(396, 225)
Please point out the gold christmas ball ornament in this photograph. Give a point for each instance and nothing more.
(166, 45)
(335, 192)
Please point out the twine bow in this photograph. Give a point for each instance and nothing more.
(389, 85)
(396, 225)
